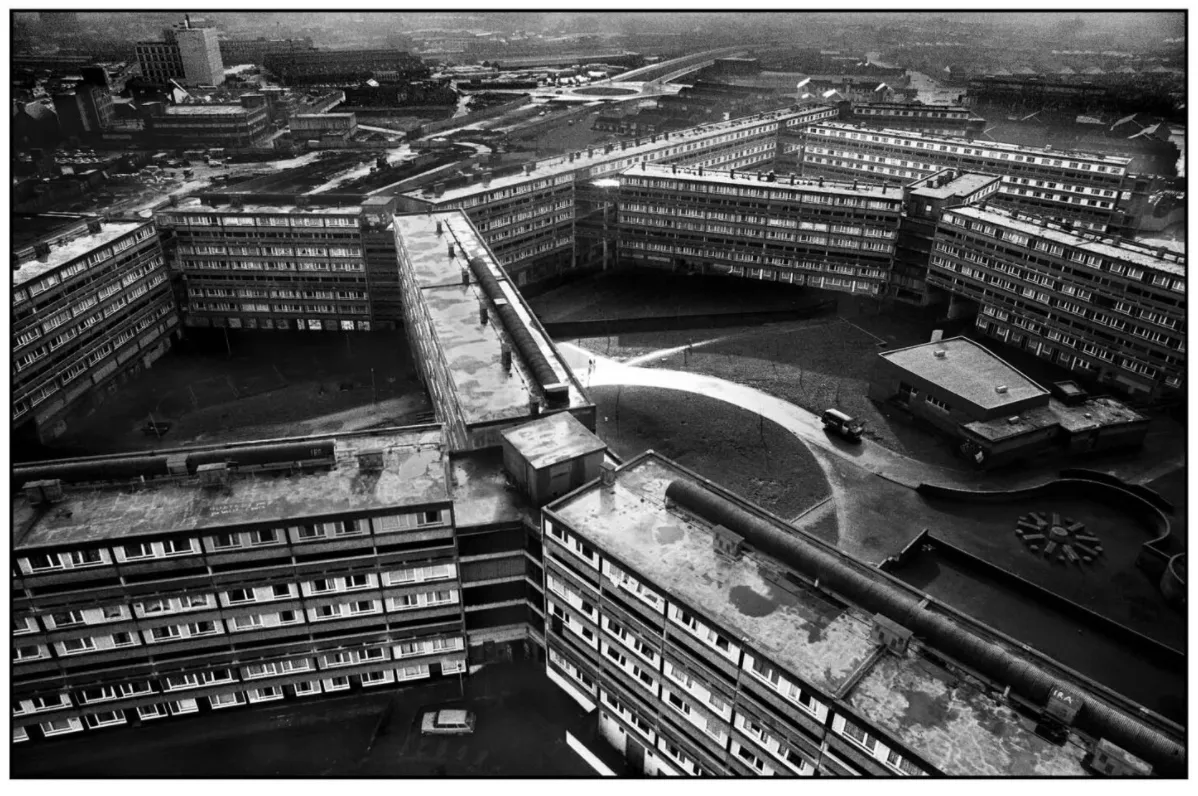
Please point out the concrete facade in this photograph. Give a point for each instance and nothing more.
(1112, 311)
(90, 306)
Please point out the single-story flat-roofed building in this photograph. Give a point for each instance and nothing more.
(998, 414)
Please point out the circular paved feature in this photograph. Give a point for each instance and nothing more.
(1058, 539)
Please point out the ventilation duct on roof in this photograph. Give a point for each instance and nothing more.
(556, 392)
(874, 592)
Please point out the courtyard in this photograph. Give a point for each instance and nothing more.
(260, 385)
(520, 733)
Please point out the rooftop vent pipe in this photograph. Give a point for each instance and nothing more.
(874, 592)
(556, 393)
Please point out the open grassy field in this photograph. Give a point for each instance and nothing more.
(750, 456)
(816, 364)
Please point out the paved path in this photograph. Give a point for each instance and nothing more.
(806, 426)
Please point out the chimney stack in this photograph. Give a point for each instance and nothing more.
(451, 250)
(482, 312)
(438, 227)
(505, 358)
(42, 250)
(94, 225)
(465, 276)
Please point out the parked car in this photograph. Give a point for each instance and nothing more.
(838, 422)
(447, 722)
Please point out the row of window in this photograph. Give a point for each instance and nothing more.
(163, 606)
(437, 598)
(83, 263)
(956, 147)
(182, 546)
(182, 707)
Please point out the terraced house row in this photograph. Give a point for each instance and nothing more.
(91, 306)
(1106, 308)
(1091, 191)
(710, 638)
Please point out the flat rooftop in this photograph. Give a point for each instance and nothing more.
(67, 249)
(208, 110)
(782, 182)
(414, 473)
(954, 725)
(1094, 414)
(554, 438)
(582, 163)
(481, 494)
(195, 205)
(802, 630)
(967, 370)
(484, 390)
(962, 185)
(947, 720)
(994, 146)
(1126, 251)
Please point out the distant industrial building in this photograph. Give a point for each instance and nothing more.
(996, 413)
(188, 53)
(209, 125)
(256, 51)
(84, 111)
(297, 67)
(1078, 188)
(931, 119)
(1111, 310)
(324, 125)
(707, 637)
(91, 305)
